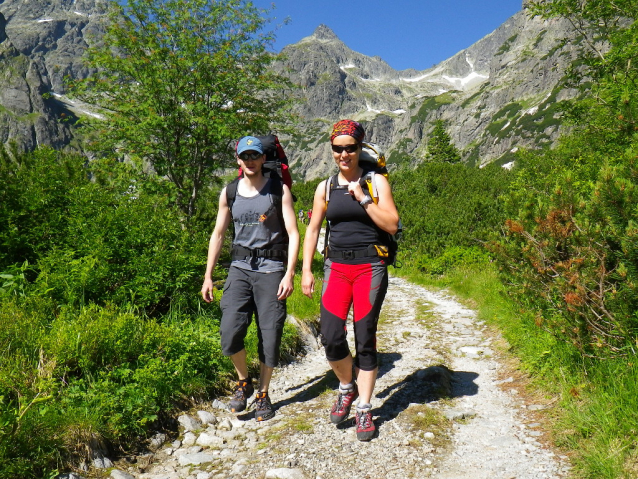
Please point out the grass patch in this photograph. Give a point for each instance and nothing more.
(425, 315)
(431, 104)
(422, 419)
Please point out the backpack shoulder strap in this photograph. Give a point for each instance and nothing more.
(330, 185)
(231, 194)
(369, 184)
(277, 195)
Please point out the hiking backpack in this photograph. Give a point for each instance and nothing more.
(372, 160)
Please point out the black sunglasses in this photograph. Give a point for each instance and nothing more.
(250, 156)
(347, 148)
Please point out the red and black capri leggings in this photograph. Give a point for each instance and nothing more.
(363, 286)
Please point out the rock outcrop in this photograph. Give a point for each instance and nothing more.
(496, 96)
(41, 43)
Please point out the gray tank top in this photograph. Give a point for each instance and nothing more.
(257, 226)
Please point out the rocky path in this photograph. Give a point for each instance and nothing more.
(461, 422)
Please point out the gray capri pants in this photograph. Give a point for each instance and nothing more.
(247, 292)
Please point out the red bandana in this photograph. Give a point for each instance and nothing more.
(348, 127)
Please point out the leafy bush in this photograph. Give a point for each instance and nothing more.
(453, 257)
(101, 373)
(34, 197)
(571, 255)
(104, 234)
(446, 205)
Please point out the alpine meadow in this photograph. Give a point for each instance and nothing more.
(518, 196)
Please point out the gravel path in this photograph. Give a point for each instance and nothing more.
(481, 431)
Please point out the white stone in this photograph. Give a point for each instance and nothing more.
(206, 417)
(102, 462)
(189, 439)
(285, 474)
(225, 424)
(116, 474)
(189, 423)
(195, 459)
(209, 440)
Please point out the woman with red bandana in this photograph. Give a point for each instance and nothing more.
(354, 273)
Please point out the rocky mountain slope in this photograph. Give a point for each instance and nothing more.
(498, 95)
(40, 44)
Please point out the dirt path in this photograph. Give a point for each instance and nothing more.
(483, 431)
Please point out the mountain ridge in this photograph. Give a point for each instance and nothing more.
(472, 91)
(499, 94)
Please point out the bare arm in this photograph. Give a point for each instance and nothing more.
(384, 213)
(312, 237)
(215, 245)
(290, 221)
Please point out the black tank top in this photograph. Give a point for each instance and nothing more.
(350, 226)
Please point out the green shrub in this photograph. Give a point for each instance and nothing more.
(453, 257)
(34, 200)
(101, 373)
(444, 205)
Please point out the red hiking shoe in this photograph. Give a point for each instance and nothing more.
(341, 408)
(365, 425)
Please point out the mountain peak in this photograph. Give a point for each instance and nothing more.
(323, 32)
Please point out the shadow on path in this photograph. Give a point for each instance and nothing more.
(424, 386)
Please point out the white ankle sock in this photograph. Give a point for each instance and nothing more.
(346, 388)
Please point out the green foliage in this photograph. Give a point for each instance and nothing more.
(100, 371)
(605, 72)
(177, 81)
(571, 256)
(570, 251)
(440, 146)
(34, 197)
(305, 193)
(431, 104)
(447, 206)
(453, 257)
(124, 248)
(112, 238)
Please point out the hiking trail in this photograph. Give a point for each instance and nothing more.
(483, 430)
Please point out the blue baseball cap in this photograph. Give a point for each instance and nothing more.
(249, 143)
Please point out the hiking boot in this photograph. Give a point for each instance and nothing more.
(263, 407)
(365, 426)
(341, 408)
(243, 391)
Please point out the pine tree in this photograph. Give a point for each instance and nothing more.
(440, 146)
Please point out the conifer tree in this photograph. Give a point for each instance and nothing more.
(440, 147)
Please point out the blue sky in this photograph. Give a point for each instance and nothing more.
(405, 33)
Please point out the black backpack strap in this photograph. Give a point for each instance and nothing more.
(331, 183)
(277, 195)
(231, 193)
